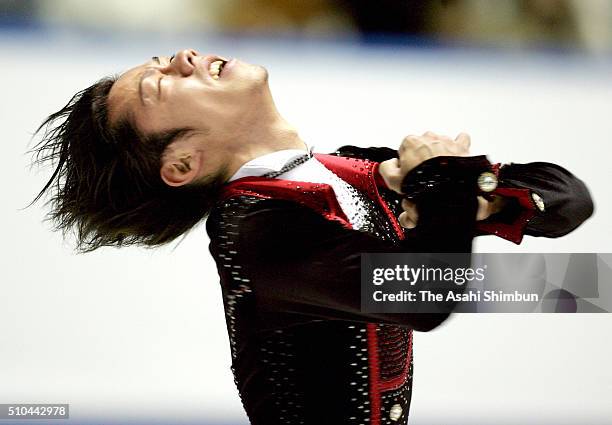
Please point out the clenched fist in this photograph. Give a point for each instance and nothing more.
(416, 149)
(412, 152)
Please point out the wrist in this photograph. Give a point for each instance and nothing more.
(450, 175)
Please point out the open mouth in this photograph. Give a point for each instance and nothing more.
(215, 68)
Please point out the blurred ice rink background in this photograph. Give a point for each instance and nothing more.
(138, 336)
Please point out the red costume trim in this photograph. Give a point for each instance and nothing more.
(319, 197)
(512, 232)
(374, 369)
(362, 175)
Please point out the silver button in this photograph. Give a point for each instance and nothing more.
(538, 201)
(487, 181)
(396, 412)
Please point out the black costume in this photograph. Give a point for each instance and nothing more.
(302, 351)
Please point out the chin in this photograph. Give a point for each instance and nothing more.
(253, 76)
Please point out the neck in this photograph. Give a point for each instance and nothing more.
(274, 136)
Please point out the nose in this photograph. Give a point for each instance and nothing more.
(182, 63)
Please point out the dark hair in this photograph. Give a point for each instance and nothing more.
(106, 186)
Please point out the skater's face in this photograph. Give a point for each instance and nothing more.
(187, 90)
(213, 101)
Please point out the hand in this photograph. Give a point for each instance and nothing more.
(410, 217)
(416, 149)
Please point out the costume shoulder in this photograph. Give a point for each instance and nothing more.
(268, 224)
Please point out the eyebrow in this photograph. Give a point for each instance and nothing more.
(145, 74)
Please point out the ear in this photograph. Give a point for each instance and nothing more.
(180, 167)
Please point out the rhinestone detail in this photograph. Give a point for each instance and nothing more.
(487, 182)
(538, 201)
(396, 412)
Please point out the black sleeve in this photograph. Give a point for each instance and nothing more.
(302, 264)
(373, 153)
(566, 199)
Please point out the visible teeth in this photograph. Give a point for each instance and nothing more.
(215, 69)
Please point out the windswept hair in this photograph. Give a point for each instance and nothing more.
(106, 185)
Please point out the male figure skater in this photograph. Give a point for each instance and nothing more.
(142, 158)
